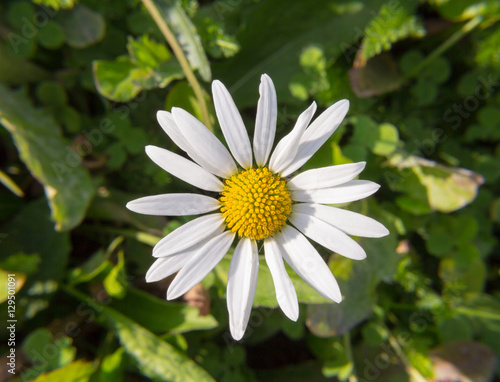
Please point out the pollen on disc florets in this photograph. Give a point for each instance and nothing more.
(255, 203)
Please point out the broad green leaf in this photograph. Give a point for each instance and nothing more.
(11, 281)
(187, 36)
(487, 50)
(272, 38)
(49, 157)
(20, 262)
(467, 9)
(83, 27)
(155, 358)
(394, 22)
(357, 285)
(162, 316)
(78, 371)
(148, 66)
(265, 294)
(51, 35)
(112, 367)
(15, 70)
(181, 95)
(447, 188)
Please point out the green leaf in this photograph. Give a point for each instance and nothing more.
(181, 95)
(394, 22)
(36, 344)
(155, 358)
(56, 4)
(298, 28)
(21, 262)
(388, 138)
(357, 286)
(148, 67)
(83, 27)
(51, 93)
(115, 282)
(78, 371)
(68, 186)
(487, 50)
(467, 9)
(51, 35)
(187, 36)
(162, 316)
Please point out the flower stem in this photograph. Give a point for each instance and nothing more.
(452, 40)
(176, 48)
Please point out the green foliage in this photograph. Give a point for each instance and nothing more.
(394, 22)
(80, 84)
(68, 187)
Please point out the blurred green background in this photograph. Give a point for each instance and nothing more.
(80, 84)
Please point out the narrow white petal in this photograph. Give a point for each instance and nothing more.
(200, 264)
(286, 149)
(307, 263)
(328, 236)
(241, 284)
(265, 122)
(205, 144)
(188, 235)
(166, 266)
(347, 192)
(285, 291)
(173, 204)
(169, 125)
(326, 176)
(232, 125)
(350, 222)
(184, 169)
(317, 134)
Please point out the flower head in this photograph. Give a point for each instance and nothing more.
(257, 201)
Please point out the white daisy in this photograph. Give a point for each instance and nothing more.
(256, 201)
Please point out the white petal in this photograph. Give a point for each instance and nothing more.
(205, 144)
(318, 133)
(200, 264)
(241, 284)
(188, 235)
(166, 266)
(286, 149)
(265, 122)
(307, 263)
(347, 192)
(326, 176)
(285, 291)
(169, 125)
(173, 204)
(232, 125)
(328, 236)
(184, 169)
(350, 222)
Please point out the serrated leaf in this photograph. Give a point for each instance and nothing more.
(393, 23)
(155, 358)
(50, 159)
(187, 36)
(83, 27)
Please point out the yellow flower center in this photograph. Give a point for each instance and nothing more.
(255, 203)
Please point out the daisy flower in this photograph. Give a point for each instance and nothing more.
(256, 201)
